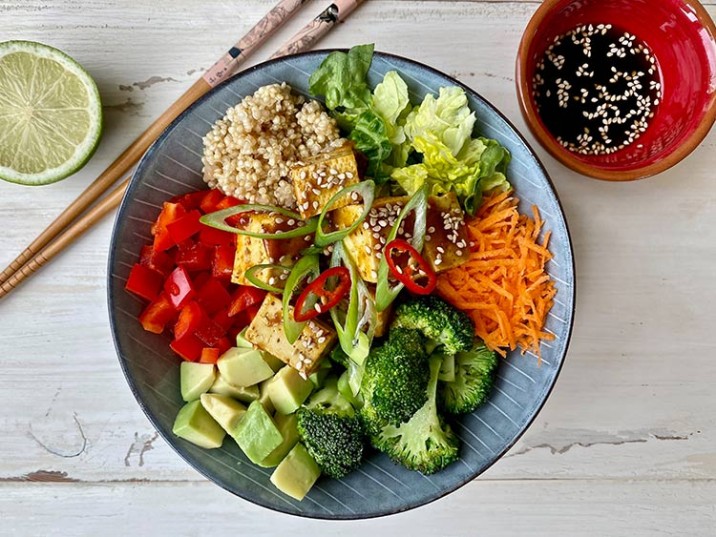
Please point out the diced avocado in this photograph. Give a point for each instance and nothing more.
(296, 474)
(264, 398)
(243, 367)
(318, 377)
(272, 361)
(257, 434)
(447, 369)
(288, 390)
(242, 342)
(226, 411)
(289, 431)
(195, 379)
(195, 425)
(245, 394)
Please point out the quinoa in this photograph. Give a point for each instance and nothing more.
(248, 153)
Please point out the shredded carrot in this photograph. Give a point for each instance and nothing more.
(503, 286)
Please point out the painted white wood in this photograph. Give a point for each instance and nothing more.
(625, 444)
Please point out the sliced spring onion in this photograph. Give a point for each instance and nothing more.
(251, 276)
(306, 267)
(367, 191)
(218, 220)
(386, 292)
(356, 326)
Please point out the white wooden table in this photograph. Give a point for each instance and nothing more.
(626, 444)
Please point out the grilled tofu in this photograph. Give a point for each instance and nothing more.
(446, 239)
(252, 251)
(384, 317)
(266, 332)
(366, 243)
(321, 177)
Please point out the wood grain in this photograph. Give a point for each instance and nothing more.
(625, 444)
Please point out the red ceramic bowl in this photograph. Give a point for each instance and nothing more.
(681, 36)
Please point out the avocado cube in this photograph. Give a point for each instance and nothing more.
(243, 367)
(366, 242)
(252, 251)
(296, 474)
(195, 379)
(288, 390)
(226, 411)
(266, 332)
(318, 377)
(242, 342)
(264, 398)
(270, 359)
(257, 434)
(246, 394)
(289, 430)
(194, 424)
(446, 240)
(321, 177)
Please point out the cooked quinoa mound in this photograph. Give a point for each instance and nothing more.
(249, 152)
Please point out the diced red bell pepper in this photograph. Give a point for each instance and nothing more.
(185, 227)
(244, 297)
(251, 312)
(213, 296)
(190, 318)
(170, 213)
(189, 347)
(210, 333)
(209, 355)
(179, 287)
(224, 344)
(223, 263)
(194, 256)
(162, 262)
(227, 202)
(192, 200)
(144, 282)
(243, 319)
(157, 315)
(211, 200)
(222, 318)
(214, 237)
(200, 278)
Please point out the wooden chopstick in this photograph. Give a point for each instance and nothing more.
(225, 66)
(304, 39)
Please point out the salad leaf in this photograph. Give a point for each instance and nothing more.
(448, 118)
(370, 135)
(341, 78)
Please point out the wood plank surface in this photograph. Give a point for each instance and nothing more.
(626, 445)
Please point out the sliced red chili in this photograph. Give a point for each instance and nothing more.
(326, 298)
(412, 270)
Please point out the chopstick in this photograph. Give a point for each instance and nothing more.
(225, 66)
(304, 39)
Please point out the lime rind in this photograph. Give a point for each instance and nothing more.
(86, 148)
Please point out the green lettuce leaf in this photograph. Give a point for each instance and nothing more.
(371, 138)
(341, 78)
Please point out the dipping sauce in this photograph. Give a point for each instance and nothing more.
(596, 89)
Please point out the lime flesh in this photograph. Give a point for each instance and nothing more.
(50, 114)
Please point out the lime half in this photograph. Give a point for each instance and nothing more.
(50, 114)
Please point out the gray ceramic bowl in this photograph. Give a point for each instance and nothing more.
(173, 166)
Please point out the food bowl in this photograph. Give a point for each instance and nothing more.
(682, 38)
(172, 166)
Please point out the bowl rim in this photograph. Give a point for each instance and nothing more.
(547, 141)
(167, 434)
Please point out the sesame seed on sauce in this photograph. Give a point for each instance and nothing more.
(596, 88)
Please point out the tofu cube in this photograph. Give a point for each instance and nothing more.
(446, 239)
(321, 177)
(266, 332)
(252, 251)
(366, 243)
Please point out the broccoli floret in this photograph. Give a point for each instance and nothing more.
(474, 375)
(331, 432)
(425, 443)
(396, 377)
(438, 321)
